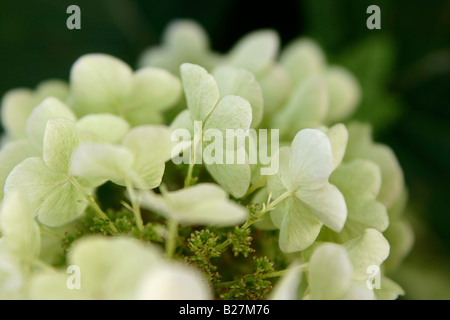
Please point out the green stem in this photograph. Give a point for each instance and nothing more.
(93, 204)
(269, 207)
(188, 180)
(274, 274)
(171, 241)
(50, 232)
(258, 184)
(134, 205)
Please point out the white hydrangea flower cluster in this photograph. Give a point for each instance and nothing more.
(335, 204)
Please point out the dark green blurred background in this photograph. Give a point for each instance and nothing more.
(404, 69)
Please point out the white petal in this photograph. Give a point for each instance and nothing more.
(202, 93)
(330, 272)
(174, 282)
(327, 204)
(311, 159)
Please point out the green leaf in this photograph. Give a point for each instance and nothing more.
(202, 204)
(60, 140)
(99, 83)
(52, 196)
(240, 82)
(330, 272)
(37, 121)
(200, 88)
(107, 127)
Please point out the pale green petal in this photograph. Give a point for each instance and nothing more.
(12, 276)
(11, 154)
(255, 50)
(232, 112)
(234, 178)
(202, 204)
(363, 214)
(330, 272)
(280, 182)
(183, 41)
(360, 181)
(344, 91)
(360, 146)
(358, 178)
(299, 228)
(107, 127)
(112, 268)
(60, 140)
(287, 286)
(302, 58)
(153, 88)
(327, 204)
(275, 85)
(338, 136)
(202, 93)
(174, 282)
(389, 290)
(311, 159)
(359, 291)
(20, 233)
(52, 196)
(151, 147)
(240, 82)
(16, 106)
(305, 108)
(101, 162)
(37, 121)
(183, 121)
(143, 116)
(400, 235)
(58, 89)
(99, 83)
(53, 286)
(370, 249)
(186, 36)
